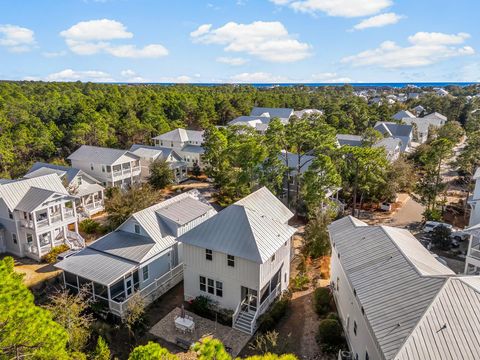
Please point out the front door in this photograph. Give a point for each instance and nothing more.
(249, 299)
(128, 286)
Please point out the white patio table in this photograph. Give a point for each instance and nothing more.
(184, 324)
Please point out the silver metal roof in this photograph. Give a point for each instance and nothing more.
(13, 192)
(100, 155)
(96, 266)
(35, 197)
(450, 328)
(87, 189)
(182, 135)
(291, 160)
(249, 229)
(124, 244)
(347, 139)
(67, 172)
(403, 114)
(150, 152)
(184, 210)
(394, 276)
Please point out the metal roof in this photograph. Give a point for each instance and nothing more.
(96, 266)
(450, 327)
(351, 140)
(282, 113)
(13, 192)
(36, 197)
(100, 155)
(403, 114)
(394, 276)
(436, 115)
(67, 172)
(390, 144)
(124, 244)
(150, 152)
(193, 149)
(393, 129)
(252, 228)
(184, 210)
(182, 135)
(292, 159)
(87, 189)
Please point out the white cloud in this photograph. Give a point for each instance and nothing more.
(234, 61)
(424, 49)
(379, 21)
(343, 8)
(265, 77)
(95, 36)
(16, 38)
(176, 79)
(73, 75)
(131, 51)
(131, 76)
(269, 41)
(53, 54)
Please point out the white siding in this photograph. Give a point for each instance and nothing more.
(349, 312)
(156, 268)
(245, 273)
(269, 268)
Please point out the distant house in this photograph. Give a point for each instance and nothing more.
(395, 130)
(474, 200)
(413, 95)
(307, 112)
(240, 258)
(281, 113)
(141, 255)
(259, 123)
(436, 119)
(424, 124)
(290, 183)
(392, 146)
(186, 143)
(111, 167)
(395, 300)
(351, 140)
(441, 92)
(149, 154)
(36, 215)
(418, 110)
(88, 190)
(403, 114)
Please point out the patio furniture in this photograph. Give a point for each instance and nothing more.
(184, 344)
(184, 324)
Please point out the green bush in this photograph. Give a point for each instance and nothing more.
(89, 226)
(270, 319)
(205, 307)
(322, 299)
(51, 257)
(300, 282)
(432, 215)
(330, 335)
(332, 315)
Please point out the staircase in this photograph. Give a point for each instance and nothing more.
(244, 322)
(74, 240)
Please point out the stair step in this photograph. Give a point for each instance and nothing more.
(243, 322)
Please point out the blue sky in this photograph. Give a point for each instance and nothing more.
(240, 40)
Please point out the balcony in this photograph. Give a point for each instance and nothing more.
(133, 171)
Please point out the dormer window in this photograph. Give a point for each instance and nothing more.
(137, 229)
(231, 260)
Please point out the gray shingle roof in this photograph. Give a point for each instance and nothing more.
(14, 191)
(96, 266)
(100, 155)
(124, 244)
(395, 278)
(253, 228)
(282, 113)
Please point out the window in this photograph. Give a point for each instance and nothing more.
(103, 168)
(219, 288)
(145, 273)
(355, 327)
(366, 356)
(161, 143)
(210, 286)
(79, 180)
(29, 238)
(137, 229)
(363, 311)
(231, 260)
(14, 238)
(203, 284)
(273, 258)
(208, 254)
(338, 283)
(10, 214)
(285, 277)
(171, 144)
(91, 166)
(354, 292)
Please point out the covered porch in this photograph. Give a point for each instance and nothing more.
(91, 199)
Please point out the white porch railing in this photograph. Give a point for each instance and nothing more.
(151, 292)
(74, 240)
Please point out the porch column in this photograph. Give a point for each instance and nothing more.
(48, 216)
(52, 238)
(62, 211)
(37, 240)
(34, 216)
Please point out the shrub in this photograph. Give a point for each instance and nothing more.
(51, 257)
(329, 335)
(205, 307)
(89, 226)
(332, 315)
(201, 305)
(432, 215)
(300, 282)
(269, 319)
(322, 301)
(441, 237)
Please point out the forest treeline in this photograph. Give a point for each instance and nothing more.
(46, 121)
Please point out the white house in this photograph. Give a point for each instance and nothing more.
(402, 114)
(396, 301)
(88, 191)
(36, 215)
(392, 145)
(395, 130)
(149, 154)
(436, 119)
(422, 125)
(240, 258)
(112, 167)
(474, 201)
(141, 255)
(441, 92)
(186, 143)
